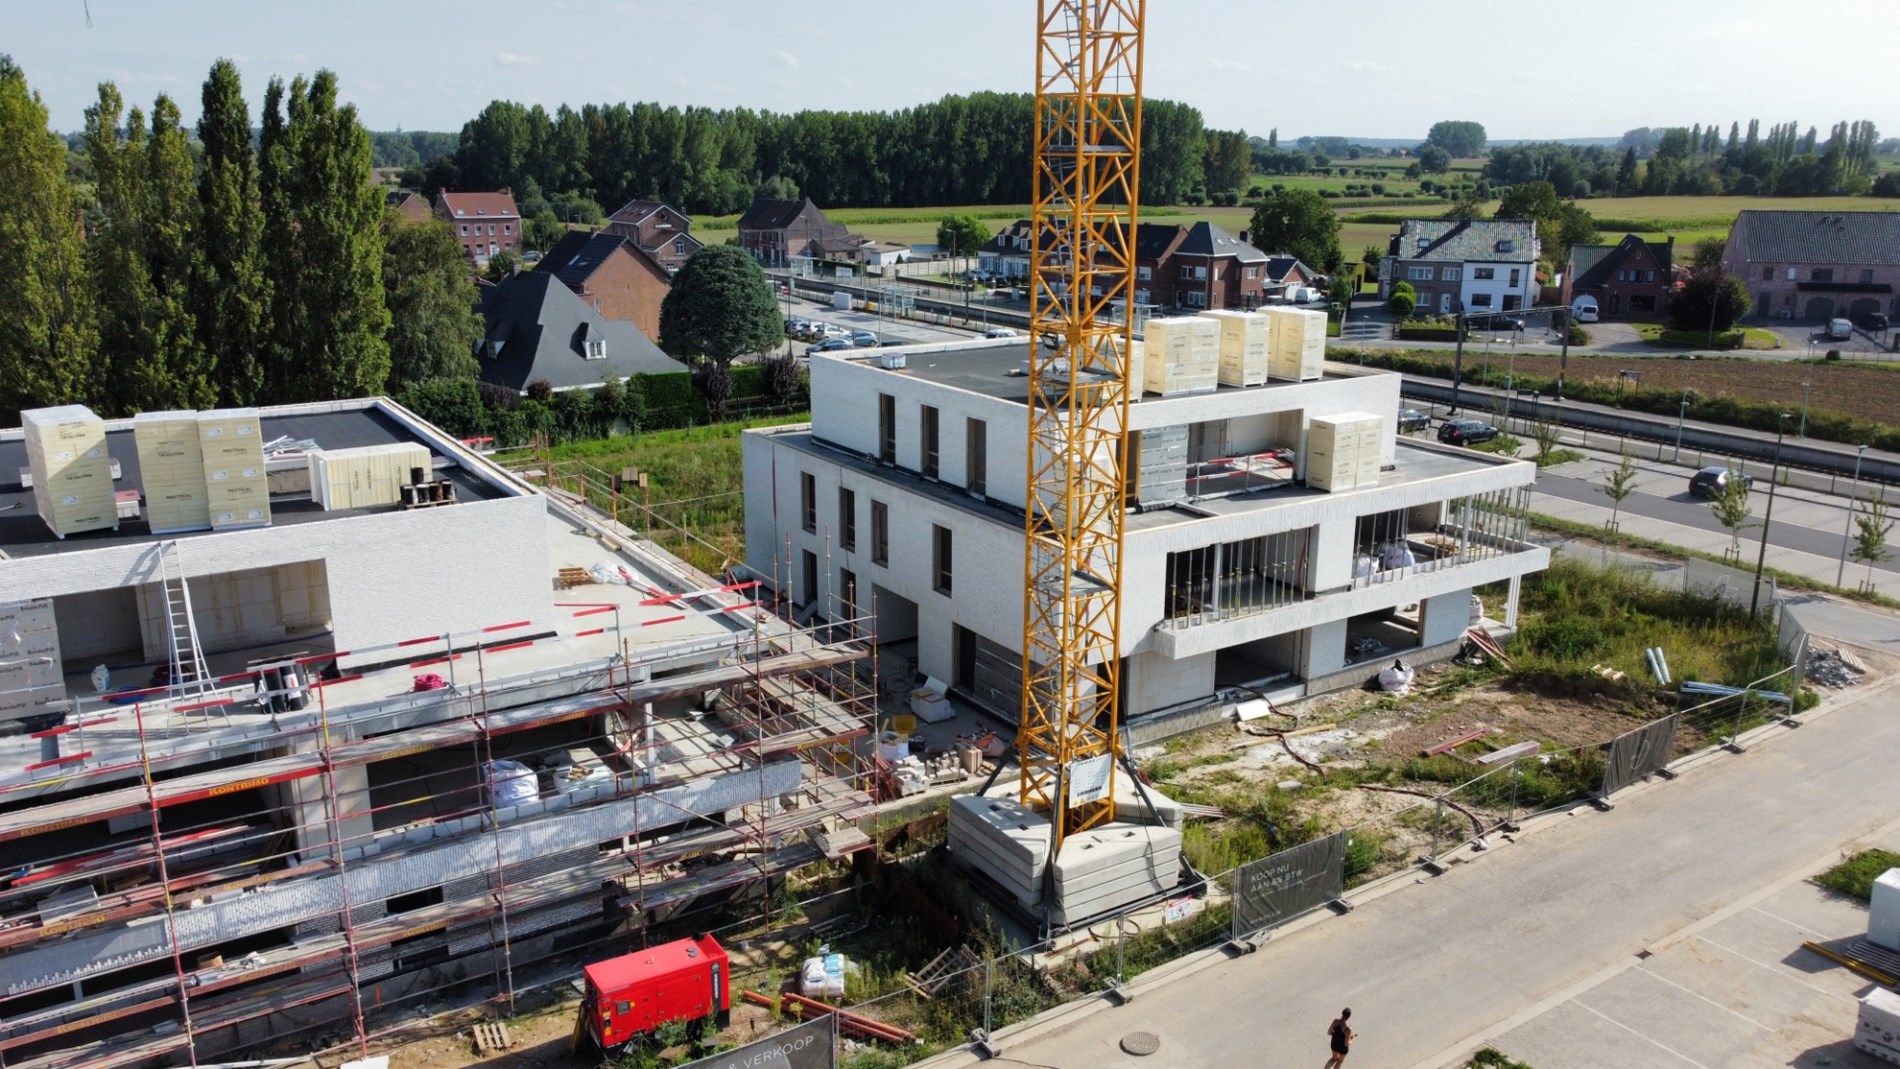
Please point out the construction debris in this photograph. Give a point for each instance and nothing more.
(492, 1036)
(1453, 743)
(1834, 668)
(943, 970)
(1510, 753)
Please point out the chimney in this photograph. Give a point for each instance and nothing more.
(1244, 239)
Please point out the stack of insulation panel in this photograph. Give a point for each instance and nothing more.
(231, 443)
(72, 475)
(31, 676)
(1343, 451)
(1182, 355)
(1297, 345)
(367, 476)
(1136, 376)
(1245, 341)
(172, 467)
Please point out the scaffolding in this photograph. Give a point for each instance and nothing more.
(319, 862)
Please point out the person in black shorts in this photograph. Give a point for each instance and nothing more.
(1341, 1036)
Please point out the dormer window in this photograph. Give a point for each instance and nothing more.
(1507, 245)
(481, 211)
(597, 349)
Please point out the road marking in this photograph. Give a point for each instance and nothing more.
(1707, 999)
(1771, 968)
(1641, 1036)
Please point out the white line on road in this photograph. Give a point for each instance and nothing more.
(1652, 1041)
(1696, 994)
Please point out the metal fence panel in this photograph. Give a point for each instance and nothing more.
(1639, 753)
(1282, 886)
(809, 1046)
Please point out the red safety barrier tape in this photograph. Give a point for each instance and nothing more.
(506, 627)
(663, 620)
(35, 767)
(339, 679)
(418, 641)
(736, 608)
(435, 660)
(510, 646)
(596, 611)
(595, 631)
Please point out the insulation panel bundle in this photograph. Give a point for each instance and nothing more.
(1245, 341)
(1343, 451)
(231, 443)
(1182, 355)
(1297, 345)
(32, 677)
(367, 476)
(72, 475)
(172, 467)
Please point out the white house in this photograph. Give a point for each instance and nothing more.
(1464, 265)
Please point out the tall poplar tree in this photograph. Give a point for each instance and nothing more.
(181, 374)
(115, 145)
(50, 347)
(230, 295)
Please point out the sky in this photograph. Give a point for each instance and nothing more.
(1362, 68)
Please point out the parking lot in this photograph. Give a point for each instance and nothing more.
(1810, 340)
(897, 331)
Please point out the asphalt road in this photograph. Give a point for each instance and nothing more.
(1693, 512)
(1427, 969)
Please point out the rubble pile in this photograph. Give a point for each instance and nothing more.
(1834, 668)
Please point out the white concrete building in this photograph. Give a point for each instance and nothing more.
(904, 496)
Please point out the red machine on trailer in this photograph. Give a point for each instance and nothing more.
(632, 995)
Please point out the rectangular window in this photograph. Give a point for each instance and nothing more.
(1866, 274)
(1481, 300)
(1419, 274)
(1823, 274)
(808, 567)
(1642, 302)
(1484, 274)
(1196, 299)
(1253, 272)
(1790, 274)
(940, 559)
(1186, 271)
(887, 428)
(1767, 274)
(1515, 275)
(679, 246)
(491, 229)
(1451, 274)
(808, 502)
(507, 228)
(464, 229)
(976, 460)
(927, 442)
(1144, 273)
(880, 533)
(1649, 276)
(847, 518)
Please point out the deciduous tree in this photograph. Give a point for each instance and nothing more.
(1618, 484)
(433, 325)
(1298, 222)
(230, 296)
(720, 307)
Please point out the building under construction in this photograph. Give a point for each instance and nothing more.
(406, 742)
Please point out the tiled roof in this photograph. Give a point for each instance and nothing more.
(1205, 239)
(537, 328)
(1461, 240)
(635, 210)
(1819, 237)
(767, 213)
(1279, 266)
(465, 206)
(575, 257)
(1592, 266)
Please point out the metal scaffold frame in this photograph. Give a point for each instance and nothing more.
(1086, 182)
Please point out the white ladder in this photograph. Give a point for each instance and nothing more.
(189, 674)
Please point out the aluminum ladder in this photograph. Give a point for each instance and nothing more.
(189, 675)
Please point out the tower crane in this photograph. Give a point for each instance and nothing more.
(1087, 162)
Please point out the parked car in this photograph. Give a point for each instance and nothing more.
(1465, 432)
(1872, 322)
(1412, 419)
(821, 329)
(863, 339)
(830, 345)
(1839, 329)
(1584, 309)
(1000, 332)
(797, 325)
(1713, 481)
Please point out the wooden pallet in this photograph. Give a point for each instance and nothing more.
(941, 970)
(492, 1036)
(568, 578)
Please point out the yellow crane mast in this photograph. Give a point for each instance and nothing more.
(1087, 177)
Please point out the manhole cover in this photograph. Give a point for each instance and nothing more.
(1141, 1043)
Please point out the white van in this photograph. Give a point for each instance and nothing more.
(1584, 309)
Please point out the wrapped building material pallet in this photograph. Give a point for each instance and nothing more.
(1343, 451)
(72, 475)
(32, 676)
(1297, 345)
(1245, 340)
(1182, 355)
(367, 476)
(172, 467)
(231, 443)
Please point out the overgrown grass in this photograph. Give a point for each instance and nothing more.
(1558, 456)
(1493, 1058)
(1739, 338)
(1855, 876)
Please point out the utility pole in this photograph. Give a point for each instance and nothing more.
(1682, 412)
(1562, 319)
(1807, 387)
(1768, 516)
(1847, 533)
(1457, 364)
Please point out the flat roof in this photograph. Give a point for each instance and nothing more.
(24, 534)
(992, 370)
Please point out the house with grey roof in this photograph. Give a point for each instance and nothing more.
(537, 329)
(1816, 265)
(1176, 267)
(1463, 265)
(1628, 280)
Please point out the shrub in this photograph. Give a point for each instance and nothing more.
(1855, 876)
(1832, 354)
(1401, 303)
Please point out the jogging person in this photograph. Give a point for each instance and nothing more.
(1341, 1036)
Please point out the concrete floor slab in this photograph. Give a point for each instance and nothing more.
(1572, 1036)
(1767, 992)
(1677, 1017)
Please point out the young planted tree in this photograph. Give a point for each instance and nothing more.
(962, 235)
(1732, 509)
(1871, 528)
(1545, 433)
(1618, 484)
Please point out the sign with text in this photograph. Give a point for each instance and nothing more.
(1639, 753)
(809, 1046)
(1088, 779)
(1282, 886)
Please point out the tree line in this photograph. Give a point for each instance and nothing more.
(1697, 160)
(962, 149)
(240, 266)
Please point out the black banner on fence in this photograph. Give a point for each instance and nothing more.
(1284, 885)
(809, 1046)
(1639, 753)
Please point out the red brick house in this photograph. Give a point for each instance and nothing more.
(1176, 267)
(661, 232)
(613, 275)
(485, 223)
(1628, 279)
(774, 231)
(409, 203)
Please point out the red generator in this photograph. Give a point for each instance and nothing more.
(632, 995)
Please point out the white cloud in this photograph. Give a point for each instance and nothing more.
(516, 59)
(787, 58)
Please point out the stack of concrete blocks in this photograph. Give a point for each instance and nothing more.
(1878, 1029)
(1161, 466)
(1245, 343)
(1101, 870)
(231, 443)
(1342, 451)
(172, 467)
(1182, 355)
(32, 677)
(1297, 345)
(71, 473)
(366, 476)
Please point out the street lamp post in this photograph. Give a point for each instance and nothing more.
(1682, 412)
(1768, 516)
(1807, 387)
(1847, 532)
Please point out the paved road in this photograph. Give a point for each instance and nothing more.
(1426, 969)
(1693, 512)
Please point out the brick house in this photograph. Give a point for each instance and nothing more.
(660, 231)
(774, 231)
(485, 223)
(412, 205)
(536, 329)
(1176, 266)
(1463, 265)
(1816, 265)
(613, 275)
(1629, 279)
